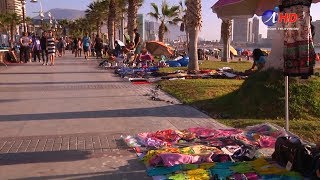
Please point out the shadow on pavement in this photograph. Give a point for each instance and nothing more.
(43, 157)
(63, 82)
(63, 72)
(134, 170)
(162, 111)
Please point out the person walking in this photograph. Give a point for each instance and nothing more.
(79, 45)
(25, 42)
(51, 48)
(44, 52)
(137, 45)
(36, 48)
(98, 45)
(86, 45)
(75, 46)
(60, 47)
(64, 45)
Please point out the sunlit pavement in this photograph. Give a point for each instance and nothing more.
(65, 121)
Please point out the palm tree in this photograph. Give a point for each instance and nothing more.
(132, 16)
(122, 8)
(111, 22)
(193, 16)
(29, 24)
(65, 25)
(11, 20)
(184, 22)
(226, 29)
(97, 12)
(168, 15)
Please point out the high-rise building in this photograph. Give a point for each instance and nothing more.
(255, 29)
(141, 26)
(250, 39)
(151, 29)
(270, 33)
(317, 31)
(241, 30)
(11, 6)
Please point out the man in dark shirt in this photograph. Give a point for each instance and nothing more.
(137, 44)
(43, 44)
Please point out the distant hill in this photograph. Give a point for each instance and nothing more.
(70, 14)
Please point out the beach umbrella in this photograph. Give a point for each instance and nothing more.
(233, 51)
(236, 8)
(158, 48)
(120, 43)
(246, 53)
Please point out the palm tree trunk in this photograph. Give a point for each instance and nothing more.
(161, 32)
(226, 28)
(98, 28)
(193, 49)
(193, 18)
(132, 17)
(111, 26)
(122, 28)
(11, 35)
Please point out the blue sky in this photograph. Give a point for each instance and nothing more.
(210, 27)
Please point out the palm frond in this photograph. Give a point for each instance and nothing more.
(154, 15)
(155, 7)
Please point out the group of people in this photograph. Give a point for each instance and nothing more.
(42, 48)
(89, 47)
(130, 49)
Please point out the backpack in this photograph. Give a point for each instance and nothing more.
(295, 155)
(86, 41)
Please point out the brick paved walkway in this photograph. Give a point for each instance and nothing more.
(65, 122)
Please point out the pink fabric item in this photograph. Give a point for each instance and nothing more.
(267, 141)
(203, 132)
(147, 140)
(146, 57)
(227, 132)
(171, 159)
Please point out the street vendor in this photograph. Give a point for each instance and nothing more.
(259, 59)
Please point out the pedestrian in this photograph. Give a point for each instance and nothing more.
(98, 45)
(25, 42)
(75, 46)
(64, 45)
(79, 46)
(86, 45)
(44, 52)
(60, 47)
(30, 46)
(137, 45)
(51, 48)
(36, 48)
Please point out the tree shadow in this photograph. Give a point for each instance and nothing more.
(61, 82)
(161, 111)
(43, 157)
(261, 96)
(134, 170)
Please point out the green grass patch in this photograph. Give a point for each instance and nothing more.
(254, 100)
(238, 66)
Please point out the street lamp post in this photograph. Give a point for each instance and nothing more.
(23, 2)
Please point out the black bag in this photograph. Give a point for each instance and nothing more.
(295, 155)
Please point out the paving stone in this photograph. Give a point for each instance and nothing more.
(65, 121)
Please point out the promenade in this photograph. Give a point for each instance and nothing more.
(65, 121)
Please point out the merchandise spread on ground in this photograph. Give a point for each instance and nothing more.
(203, 153)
